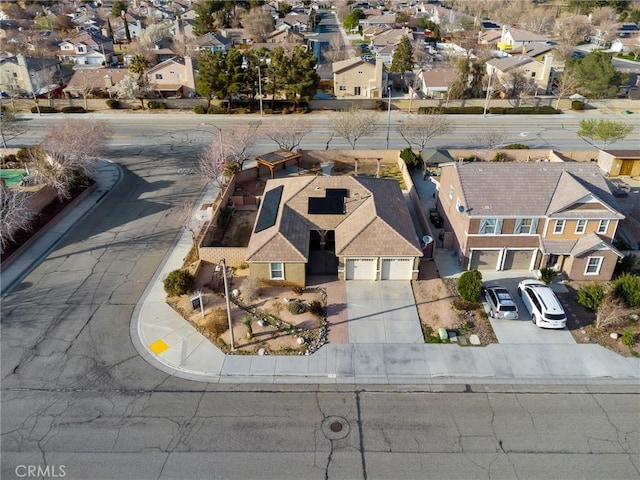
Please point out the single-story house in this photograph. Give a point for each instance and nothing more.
(358, 228)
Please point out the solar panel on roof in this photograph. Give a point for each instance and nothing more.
(326, 206)
(337, 192)
(269, 209)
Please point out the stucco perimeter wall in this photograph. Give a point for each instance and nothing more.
(233, 256)
(315, 156)
(415, 199)
(527, 155)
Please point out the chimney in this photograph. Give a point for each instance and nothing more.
(188, 66)
(108, 81)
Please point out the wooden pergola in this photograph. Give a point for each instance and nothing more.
(279, 157)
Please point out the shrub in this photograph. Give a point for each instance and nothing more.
(469, 285)
(627, 287)
(112, 104)
(380, 105)
(547, 274)
(516, 146)
(250, 289)
(627, 264)
(243, 265)
(247, 320)
(179, 282)
(297, 289)
(590, 296)
(577, 105)
(411, 159)
(316, 308)
(217, 322)
(73, 109)
(44, 109)
(428, 110)
(199, 109)
(499, 157)
(628, 338)
(214, 110)
(295, 307)
(153, 105)
(463, 305)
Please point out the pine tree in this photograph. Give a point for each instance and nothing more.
(402, 57)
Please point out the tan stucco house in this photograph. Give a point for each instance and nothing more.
(358, 228)
(620, 162)
(504, 216)
(357, 77)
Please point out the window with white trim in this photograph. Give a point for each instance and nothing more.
(451, 192)
(343, 88)
(559, 226)
(593, 265)
(458, 204)
(603, 226)
(526, 226)
(158, 76)
(490, 226)
(276, 271)
(581, 226)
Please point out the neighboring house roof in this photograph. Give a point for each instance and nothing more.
(437, 77)
(376, 220)
(489, 36)
(624, 154)
(91, 39)
(349, 63)
(34, 64)
(591, 242)
(507, 63)
(533, 189)
(391, 37)
(434, 157)
(386, 19)
(211, 38)
(520, 35)
(535, 49)
(175, 60)
(95, 77)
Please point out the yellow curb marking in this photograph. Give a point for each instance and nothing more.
(158, 347)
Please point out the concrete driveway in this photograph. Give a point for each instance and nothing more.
(522, 330)
(382, 312)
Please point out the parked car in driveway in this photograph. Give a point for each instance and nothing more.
(500, 301)
(542, 303)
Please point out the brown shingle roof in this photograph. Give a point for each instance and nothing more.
(592, 242)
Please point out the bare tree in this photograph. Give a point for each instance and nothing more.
(237, 142)
(515, 84)
(67, 153)
(419, 130)
(565, 84)
(211, 165)
(354, 124)
(337, 50)
(258, 23)
(489, 138)
(15, 214)
(192, 221)
(563, 52)
(10, 126)
(133, 85)
(603, 15)
(287, 134)
(611, 312)
(572, 29)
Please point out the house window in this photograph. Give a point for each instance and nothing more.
(581, 226)
(80, 49)
(343, 88)
(490, 226)
(593, 265)
(559, 227)
(533, 74)
(356, 90)
(277, 271)
(158, 76)
(603, 226)
(451, 192)
(526, 226)
(458, 204)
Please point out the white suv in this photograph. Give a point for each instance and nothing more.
(542, 303)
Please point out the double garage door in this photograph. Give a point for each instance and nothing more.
(513, 259)
(366, 268)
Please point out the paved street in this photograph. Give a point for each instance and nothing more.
(75, 392)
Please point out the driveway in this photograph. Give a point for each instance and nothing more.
(522, 330)
(382, 312)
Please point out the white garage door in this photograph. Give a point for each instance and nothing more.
(518, 260)
(484, 259)
(397, 268)
(361, 268)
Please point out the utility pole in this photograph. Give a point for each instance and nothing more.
(388, 115)
(260, 89)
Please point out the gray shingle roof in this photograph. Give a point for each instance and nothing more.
(507, 63)
(535, 188)
(592, 242)
(376, 220)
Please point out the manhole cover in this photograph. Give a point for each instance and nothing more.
(335, 428)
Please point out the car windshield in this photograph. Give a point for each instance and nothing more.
(555, 316)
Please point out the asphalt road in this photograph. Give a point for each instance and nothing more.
(76, 394)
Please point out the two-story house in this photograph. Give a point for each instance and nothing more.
(516, 38)
(540, 74)
(173, 77)
(86, 49)
(28, 75)
(357, 77)
(211, 41)
(504, 216)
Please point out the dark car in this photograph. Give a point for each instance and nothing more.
(500, 301)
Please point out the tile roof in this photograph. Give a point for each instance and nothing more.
(557, 247)
(626, 154)
(591, 242)
(376, 220)
(520, 35)
(347, 64)
(505, 189)
(94, 77)
(507, 63)
(433, 156)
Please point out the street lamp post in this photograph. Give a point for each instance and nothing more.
(260, 89)
(220, 137)
(388, 115)
(486, 101)
(223, 265)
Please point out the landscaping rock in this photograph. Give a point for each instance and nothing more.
(474, 340)
(614, 335)
(442, 333)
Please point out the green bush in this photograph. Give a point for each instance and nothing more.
(577, 105)
(44, 109)
(295, 307)
(153, 105)
(380, 105)
(469, 285)
(628, 338)
(73, 109)
(627, 287)
(544, 110)
(547, 274)
(216, 110)
(411, 159)
(112, 104)
(199, 109)
(499, 157)
(516, 146)
(179, 282)
(590, 296)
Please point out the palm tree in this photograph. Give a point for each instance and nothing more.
(138, 64)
